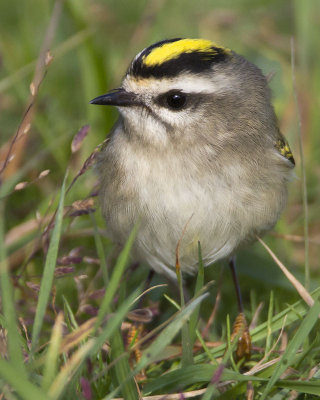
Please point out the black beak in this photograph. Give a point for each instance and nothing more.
(117, 97)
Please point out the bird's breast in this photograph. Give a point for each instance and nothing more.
(171, 195)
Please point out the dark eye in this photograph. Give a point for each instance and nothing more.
(175, 100)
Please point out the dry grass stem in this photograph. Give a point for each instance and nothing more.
(18, 142)
(295, 238)
(205, 331)
(305, 295)
(255, 317)
(250, 391)
(303, 169)
(257, 366)
(147, 291)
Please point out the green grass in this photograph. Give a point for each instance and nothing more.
(69, 299)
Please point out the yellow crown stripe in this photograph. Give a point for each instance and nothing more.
(169, 51)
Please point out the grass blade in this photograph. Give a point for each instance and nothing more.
(119, 268)
(292, 313)
(301, 386)
(69, 369)
(90, 348)
(122, 368)
(69, 316)
(52, 356)
(14, 338)
(193, 374)
(20, 384)
(269, 322)
(167, 335)
(199, 284)
(100, 250)
(187, 357)
(303, 171)
(48, 272)
(293, 346)
(115, 321)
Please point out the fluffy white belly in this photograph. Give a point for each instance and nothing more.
(164, 198)
(168, 212)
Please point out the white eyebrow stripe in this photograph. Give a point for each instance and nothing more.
(193, 85)
(186, 83)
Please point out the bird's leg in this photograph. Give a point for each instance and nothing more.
(240, 326)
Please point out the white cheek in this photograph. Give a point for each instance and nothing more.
(179, 119)
(141, 123)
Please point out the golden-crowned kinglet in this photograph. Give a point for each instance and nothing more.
(196, 145)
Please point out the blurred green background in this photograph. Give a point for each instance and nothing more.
(92, 45)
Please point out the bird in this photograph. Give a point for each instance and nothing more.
(196, 150)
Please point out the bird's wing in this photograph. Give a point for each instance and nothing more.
(284, 149)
